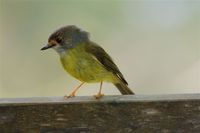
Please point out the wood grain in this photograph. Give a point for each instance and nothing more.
(111, 114)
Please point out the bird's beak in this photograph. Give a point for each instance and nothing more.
(47, 47)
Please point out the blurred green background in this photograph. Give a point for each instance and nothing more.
(156, 44)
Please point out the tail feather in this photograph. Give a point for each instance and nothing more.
(123, 88)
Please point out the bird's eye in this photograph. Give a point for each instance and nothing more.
(58, 40)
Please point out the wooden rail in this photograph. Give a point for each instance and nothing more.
(111, 114)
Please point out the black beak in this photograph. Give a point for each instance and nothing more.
(47, 47)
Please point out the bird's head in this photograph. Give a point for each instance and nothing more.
(66, 38)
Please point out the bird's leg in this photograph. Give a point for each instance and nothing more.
(73, 94)
(99, 94)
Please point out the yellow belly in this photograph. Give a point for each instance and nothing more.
(84, 66)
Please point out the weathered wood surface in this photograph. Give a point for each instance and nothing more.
(111, 114)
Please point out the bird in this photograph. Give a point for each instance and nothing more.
(85, 60)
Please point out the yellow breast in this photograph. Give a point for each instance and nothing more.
(84, 66)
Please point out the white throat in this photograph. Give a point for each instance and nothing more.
(60, 50)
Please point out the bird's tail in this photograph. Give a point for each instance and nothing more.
(123, 88)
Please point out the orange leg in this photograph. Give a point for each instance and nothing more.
(73, 94)
(99, 94)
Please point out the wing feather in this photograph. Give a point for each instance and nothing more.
(101, 55)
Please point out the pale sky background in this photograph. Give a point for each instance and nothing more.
(156, 44)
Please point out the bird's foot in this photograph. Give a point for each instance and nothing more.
(99, 95)
(70, 96)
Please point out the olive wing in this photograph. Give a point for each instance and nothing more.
(101, 55)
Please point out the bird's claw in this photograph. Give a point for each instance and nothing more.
(99, 95)
(70, 96)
